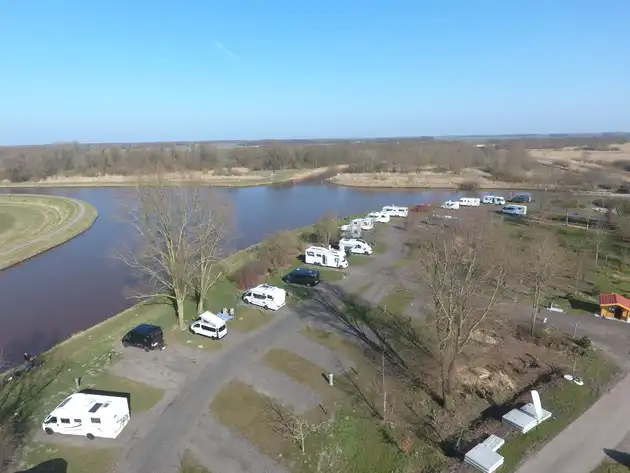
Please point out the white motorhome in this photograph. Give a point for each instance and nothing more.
(395, 211)
(89, 415)
(514, 209)
(209, 325)
(379, 217)
(356, 246)
(325, 257)
(493, 199)
(363, 223)
(451, 205)
(266, 296)
(469, 202)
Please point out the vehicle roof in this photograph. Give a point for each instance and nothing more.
(90, 404)
(309, 271)
(211, 318)
(145, 329)
(269, 289)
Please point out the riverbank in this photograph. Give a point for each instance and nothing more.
(237, 177)
(32, 224)
(469, 179)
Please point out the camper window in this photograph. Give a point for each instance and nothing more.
(77, 421)
(95, 420)
(52, 420)
(65, 421)
(310, 253)
(209, 329)
(258, 296)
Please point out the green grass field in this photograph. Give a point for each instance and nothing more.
(32, 224)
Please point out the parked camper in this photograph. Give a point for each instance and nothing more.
(90, 415)
(469, 202)
(395, 211)
(303, 277)
(488, 199)
(451, 205)
(266, 296)
(379, 217)
(209, 325)
(515, 210)
(147, 336)
(499, 200)
(325, 257)
(355, 246)
(363, 223)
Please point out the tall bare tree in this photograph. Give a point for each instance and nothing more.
(165, 250)
(293, 424)
(211, 231)
(326, 229)
(465, 268)
(540, 267)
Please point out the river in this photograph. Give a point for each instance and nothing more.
(78, 284)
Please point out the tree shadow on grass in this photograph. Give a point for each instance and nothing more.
(56, 465)
(621, 458)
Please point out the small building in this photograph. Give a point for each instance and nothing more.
(614, 306)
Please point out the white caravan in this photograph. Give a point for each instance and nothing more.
(515, 210)
(451, 205)
(89, 415)
(325, 257)
(395, 211)
(469, 202)
(493, 199)
(266, 296)
(363, 223)
(209, 325)
(379, 217)
(356, 246)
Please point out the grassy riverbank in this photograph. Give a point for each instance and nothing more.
(238, 177)
(32, 224)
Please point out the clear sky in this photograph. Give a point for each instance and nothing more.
(161, 70)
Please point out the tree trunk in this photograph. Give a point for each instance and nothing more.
(566, 217)
(536, 303)
(447, 386)
(181, 320)
(199, 303)
(577, 278)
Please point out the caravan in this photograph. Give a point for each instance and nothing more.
(378, 217)
(355, 246)
(469, 202)
(89, 415)
(363, 223)
(395, 211)
(209, 325)
(266, 296)
(515, 210)
(451, 205)
(493, 199)
(325, 257)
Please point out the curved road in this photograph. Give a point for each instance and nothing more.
(48, 235)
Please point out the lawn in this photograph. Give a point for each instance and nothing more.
(53, 458)
(397, 301)
(358, 260)
(300, 369)
(610, 467)
(32, 224)
(189, 464)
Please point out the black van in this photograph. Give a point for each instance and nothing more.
(149, 337)
(302, 277)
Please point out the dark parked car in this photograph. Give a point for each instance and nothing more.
(302, 277)
(149, 337)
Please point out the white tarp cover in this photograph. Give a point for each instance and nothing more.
(484, 459)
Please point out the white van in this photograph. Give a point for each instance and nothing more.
(325, 257)
(469, 202)
(395, 211)
(266, 296)
(363, 223)
(515, 210)
(209, 325)
(493, 199)
(89, 415)
(379, 217)
(356, 246)
(451, 205)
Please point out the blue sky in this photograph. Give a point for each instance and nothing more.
(140, 70)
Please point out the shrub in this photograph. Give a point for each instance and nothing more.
(468, 186)
(280, 250)
(584, 343)
(249, 275)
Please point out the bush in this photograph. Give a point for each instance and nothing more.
(250, 274)
(280, 250)
(468, 186)
(584, 343)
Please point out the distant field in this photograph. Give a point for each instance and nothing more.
(32, 224)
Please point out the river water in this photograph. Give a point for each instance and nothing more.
(78, 284)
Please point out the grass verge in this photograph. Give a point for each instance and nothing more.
(397, 300)
(189, 464)
(47, 458)
(298, 368)
(609, 467)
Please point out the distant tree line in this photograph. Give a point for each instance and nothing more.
(507, 159)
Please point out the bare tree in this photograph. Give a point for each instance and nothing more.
(540, 267)
(464, 267)
(165, 251)
(293, 424)
(326, 229)
(211, 229)
(598, 238)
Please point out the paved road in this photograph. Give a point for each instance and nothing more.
(51, 234)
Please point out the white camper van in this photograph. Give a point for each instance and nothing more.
(325, 257)
(379, 217)
(89, 415)
(451, 205)
(209, 325)
(515, 209)
(363, 223)
(395, 211)
(469, 202)
(356, 246)
(493, 199)
(266, 296)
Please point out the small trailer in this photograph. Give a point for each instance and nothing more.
(89, 415)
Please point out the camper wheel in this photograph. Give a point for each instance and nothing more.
(90, 436)
(49, 431)
(266, 307)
